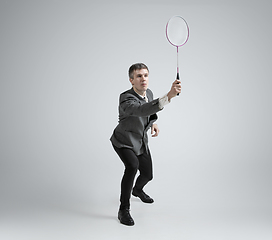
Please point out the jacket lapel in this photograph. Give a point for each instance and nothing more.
(135, 94)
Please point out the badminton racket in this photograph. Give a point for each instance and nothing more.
(177, 33)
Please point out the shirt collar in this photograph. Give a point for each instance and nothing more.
(143, 97)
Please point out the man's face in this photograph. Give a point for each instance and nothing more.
(140, 81)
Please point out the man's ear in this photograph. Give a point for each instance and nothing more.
(131, 80)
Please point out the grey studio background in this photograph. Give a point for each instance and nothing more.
(63, 66)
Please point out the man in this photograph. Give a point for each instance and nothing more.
(137, 114)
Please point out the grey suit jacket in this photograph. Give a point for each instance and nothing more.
(136, 116)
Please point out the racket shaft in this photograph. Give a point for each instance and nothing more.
(178, 79)
(177, 67)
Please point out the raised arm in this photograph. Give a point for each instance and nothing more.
(131, 105)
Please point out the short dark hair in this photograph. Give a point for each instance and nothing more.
(136, 66)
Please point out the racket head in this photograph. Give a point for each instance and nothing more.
(177, 31)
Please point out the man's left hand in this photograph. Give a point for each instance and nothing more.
(155, 130)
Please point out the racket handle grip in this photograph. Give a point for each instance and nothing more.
(178, 79)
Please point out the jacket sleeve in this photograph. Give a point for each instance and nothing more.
(131, 105)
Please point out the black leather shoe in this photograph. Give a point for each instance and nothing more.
(142, 195)
(125, 218)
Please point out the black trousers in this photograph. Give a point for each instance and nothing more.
(132, 163)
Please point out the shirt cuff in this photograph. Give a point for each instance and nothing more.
(163, 101)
